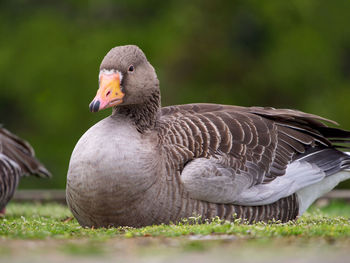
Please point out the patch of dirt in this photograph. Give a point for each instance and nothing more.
(184, 249)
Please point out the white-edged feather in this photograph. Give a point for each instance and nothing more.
(299, 174)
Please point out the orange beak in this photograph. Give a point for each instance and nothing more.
(109, 93)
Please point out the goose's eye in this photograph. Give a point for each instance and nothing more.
(131, 68)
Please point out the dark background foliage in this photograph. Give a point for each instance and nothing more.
(290, 54)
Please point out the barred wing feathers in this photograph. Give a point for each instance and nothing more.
(16, 159)
(221, 151)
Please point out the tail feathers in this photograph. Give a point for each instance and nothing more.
(330, 160)
(333, 163)
(22, 153)
(309, 194)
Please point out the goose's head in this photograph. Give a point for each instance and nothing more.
(126, 78)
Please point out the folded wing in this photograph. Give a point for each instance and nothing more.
(248, 156)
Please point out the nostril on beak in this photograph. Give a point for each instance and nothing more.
(108, 93)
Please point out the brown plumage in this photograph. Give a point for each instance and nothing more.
(16, 160)
(147, 165)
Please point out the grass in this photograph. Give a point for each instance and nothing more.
(50, 228)
(40, 221)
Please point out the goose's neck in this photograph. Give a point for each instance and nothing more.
(145, 115)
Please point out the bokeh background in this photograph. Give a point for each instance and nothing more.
(290, 54)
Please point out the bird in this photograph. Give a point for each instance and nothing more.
(146, 164)
(17, 159)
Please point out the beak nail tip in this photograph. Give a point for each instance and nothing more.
(94, 106)
(91, 106)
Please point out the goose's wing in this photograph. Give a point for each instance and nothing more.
(224, 151)
(16, 159)
(21, 153)
(10, 173)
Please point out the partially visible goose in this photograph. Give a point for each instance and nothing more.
(16, 160)
(147, 165)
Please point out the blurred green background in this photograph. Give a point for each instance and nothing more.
(290, 54)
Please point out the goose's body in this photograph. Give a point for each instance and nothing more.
(16, 160)
(147, 165)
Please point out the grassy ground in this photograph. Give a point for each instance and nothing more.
(48, 232)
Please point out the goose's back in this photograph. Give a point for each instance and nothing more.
(265, 139)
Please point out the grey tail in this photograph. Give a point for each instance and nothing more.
(330, 160)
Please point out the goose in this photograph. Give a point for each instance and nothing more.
(17, 159)
(146, 164)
